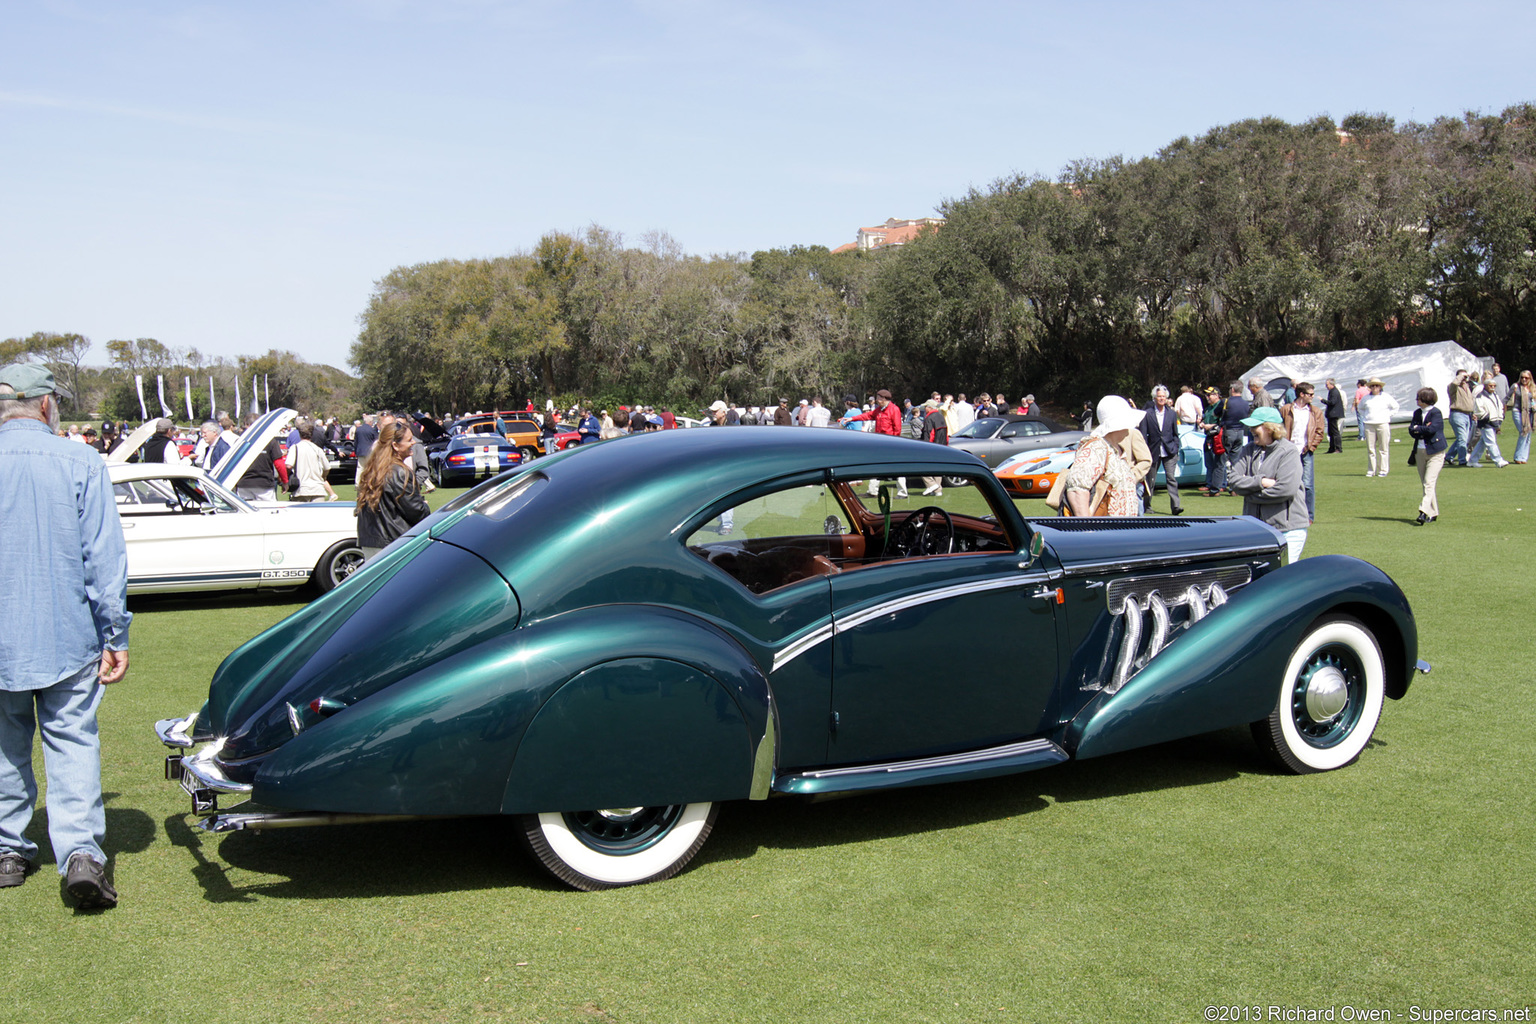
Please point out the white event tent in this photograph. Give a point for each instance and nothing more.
(1403, 370)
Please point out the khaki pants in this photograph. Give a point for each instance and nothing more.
(1378, 436)
(1429, 473)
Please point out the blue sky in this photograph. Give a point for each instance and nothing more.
(235, 176)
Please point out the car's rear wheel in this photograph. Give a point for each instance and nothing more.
(618, 846)
(1329, 701)
(528, 452)
(339, 561)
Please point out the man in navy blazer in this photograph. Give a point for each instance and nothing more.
(1160, 426)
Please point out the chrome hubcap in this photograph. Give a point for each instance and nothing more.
(620, 813)
(1327, 694)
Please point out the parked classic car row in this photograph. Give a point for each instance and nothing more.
(624, 635)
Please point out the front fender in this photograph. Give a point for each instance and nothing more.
(1222, 671)
(450, 739)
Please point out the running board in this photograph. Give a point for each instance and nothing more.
(972, 764)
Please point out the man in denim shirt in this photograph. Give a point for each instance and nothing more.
(63, 633)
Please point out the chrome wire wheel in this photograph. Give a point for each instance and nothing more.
(1330, 698)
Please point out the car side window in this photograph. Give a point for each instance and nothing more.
(927, 516)
(777, 539)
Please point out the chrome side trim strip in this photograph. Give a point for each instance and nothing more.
(841, 625)
(798, 647)
(895, 605)
(943, 760)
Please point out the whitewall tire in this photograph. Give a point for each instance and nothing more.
(1329, 699)
(618, 846)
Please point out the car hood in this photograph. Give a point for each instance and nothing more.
(1113, 542)
(431, 429)
(237, 461)
(133, 442)
(355, 641)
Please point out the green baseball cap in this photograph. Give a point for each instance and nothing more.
(30, 381)
(1264, 414)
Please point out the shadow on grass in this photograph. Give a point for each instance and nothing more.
(203, 600)
(402, 858)
(805, 824)
(408, 857)
(128, 831)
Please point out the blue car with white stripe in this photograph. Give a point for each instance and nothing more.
(469, 458)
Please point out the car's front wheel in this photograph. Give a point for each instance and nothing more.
(339, 561)
(618, 846)
(1330, 698)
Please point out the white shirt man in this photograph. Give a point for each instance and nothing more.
(1189, 407)
(964, 412)
(819, 415)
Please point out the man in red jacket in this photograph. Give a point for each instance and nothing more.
(887, 417)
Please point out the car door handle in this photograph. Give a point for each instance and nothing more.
(128, 526)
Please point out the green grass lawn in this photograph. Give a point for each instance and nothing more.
(1143, 886)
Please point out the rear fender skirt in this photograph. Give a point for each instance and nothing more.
(445, 740)
(655, 707)
(1221, 670)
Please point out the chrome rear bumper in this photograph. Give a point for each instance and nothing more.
(200, 774)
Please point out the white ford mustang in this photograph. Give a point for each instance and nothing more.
(187, 530)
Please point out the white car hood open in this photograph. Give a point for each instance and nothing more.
(237, 461)
(133, 442)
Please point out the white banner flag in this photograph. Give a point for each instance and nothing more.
(255, 396)
(165, 410)
(190, 414)
(237, 398)
(213, 403)
(267, 386)
(138, 381)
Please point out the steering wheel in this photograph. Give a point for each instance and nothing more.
(917, 535)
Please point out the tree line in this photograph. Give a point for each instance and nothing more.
(1257, 238)
(111, 392)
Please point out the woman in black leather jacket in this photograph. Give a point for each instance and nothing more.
(388, 499)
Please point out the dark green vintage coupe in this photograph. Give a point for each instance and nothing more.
(609, 642)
